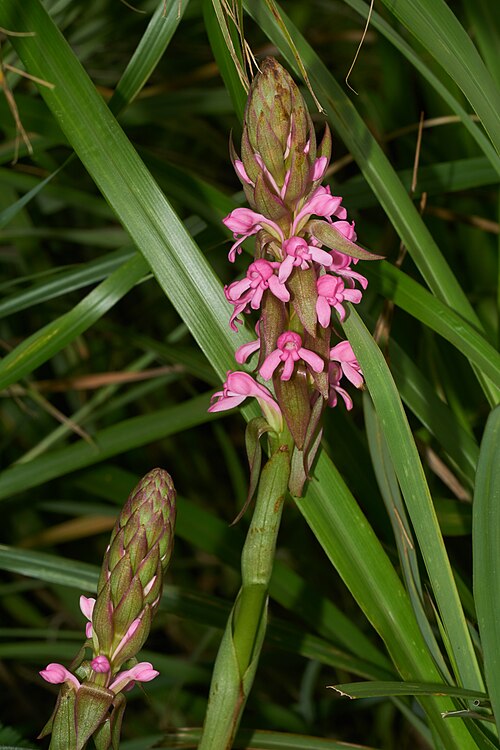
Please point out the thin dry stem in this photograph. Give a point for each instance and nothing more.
(363, 36)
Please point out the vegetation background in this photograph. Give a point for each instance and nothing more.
(114, 333)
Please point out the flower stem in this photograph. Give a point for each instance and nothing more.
(241, 644)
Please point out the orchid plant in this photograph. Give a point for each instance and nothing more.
(302, 271)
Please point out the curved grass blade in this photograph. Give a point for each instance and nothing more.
(111, 441)
(179, 267)
(485, 546)
(437, 29)
(149, 51)
(64, 280)
(415, 491)
(380, 689)
(396, 39)
(419, 395)
(43, 344)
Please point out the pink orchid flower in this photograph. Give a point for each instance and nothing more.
(321, 203)
(332, 293)
(238, 387)
(260, 276)
(300, 255)
(56, 674)
(289, 350)
(344, 355)
(245, 222)
(142, 672)
(334, 378)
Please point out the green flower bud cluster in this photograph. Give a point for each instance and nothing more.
(91, 701)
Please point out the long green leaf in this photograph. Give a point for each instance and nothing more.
(379, 689)
(486, 559)
(111, 441)
(418, 501)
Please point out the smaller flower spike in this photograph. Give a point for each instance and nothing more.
(129, 591)
(289, 350)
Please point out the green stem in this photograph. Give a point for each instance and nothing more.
(241, 644)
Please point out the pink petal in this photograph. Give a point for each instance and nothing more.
(323, 312)
(270, 363)
(319, 168)
(142, 672)
(245, 351)
(312, 359)
(56, 674)
(225, 403)
(320, 256)
(87, 606)
(286, 268)
(288, 369)
(279, 289)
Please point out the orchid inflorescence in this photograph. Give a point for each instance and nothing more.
(91, 701)
(305, 253)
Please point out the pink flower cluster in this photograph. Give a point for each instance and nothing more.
(303, 273)
(335, 284)
(118, 682)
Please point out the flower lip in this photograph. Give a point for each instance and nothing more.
(56, 674)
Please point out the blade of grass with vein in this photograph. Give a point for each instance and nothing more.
(410, 296)
(486, 544)
(415, 491)
(64, 280)
(225, 61)
(149, 51)
(389, 489)
(378, 689)
(110, 441)
(397, 40)
(43, 344)
(434, 25)
(420, 397)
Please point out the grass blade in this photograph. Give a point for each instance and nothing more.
(486, 544)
